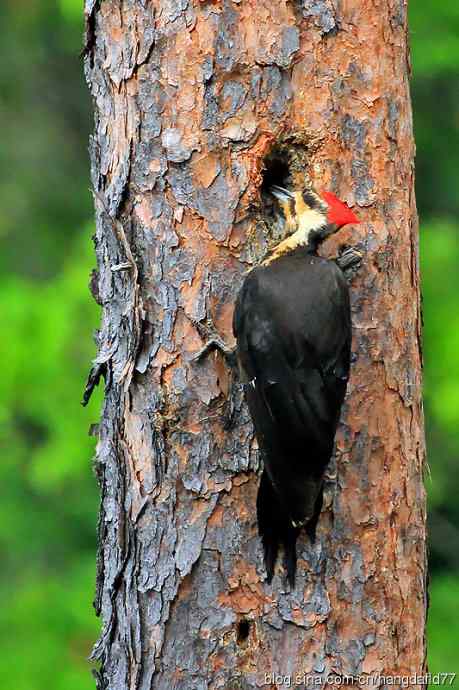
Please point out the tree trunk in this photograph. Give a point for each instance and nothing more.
(194, 99)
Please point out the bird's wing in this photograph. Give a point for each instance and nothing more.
(295, 383)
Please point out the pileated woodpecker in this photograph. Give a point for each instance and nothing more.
(293, 329)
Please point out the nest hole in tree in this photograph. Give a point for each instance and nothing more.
(276, 171)
(243, 630)
(287, 163)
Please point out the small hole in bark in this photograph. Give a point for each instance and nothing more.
(243, 629)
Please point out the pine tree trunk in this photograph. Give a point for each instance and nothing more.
(193, 99)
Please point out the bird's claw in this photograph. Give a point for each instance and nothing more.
(349, 261)
(213, 341)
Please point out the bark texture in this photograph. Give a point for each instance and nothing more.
(192, 98)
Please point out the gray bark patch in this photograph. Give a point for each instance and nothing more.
(323, 14)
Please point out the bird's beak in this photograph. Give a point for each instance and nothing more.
(281, 193)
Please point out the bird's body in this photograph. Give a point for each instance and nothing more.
(293, 330)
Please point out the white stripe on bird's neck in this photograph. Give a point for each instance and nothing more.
(305, 222)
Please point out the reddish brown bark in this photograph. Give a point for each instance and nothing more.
(191, 98)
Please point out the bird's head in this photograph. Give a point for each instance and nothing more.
(314, 215)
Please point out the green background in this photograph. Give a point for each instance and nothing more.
(49, 500)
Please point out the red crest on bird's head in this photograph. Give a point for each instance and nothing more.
(338, 213)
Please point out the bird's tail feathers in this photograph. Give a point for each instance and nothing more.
(276, 530)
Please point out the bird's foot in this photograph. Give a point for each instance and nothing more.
(213, 341)
(349, 261)
(230, 408)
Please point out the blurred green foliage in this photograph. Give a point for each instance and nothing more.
(48, 511)
(45, 115)
(49, 499)
(443, 626)
(434, 35)
(434, 29)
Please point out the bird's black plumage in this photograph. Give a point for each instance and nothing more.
(293, 329)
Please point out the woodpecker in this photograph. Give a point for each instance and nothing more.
(292, 326)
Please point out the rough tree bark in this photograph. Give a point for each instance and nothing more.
(193, 100)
